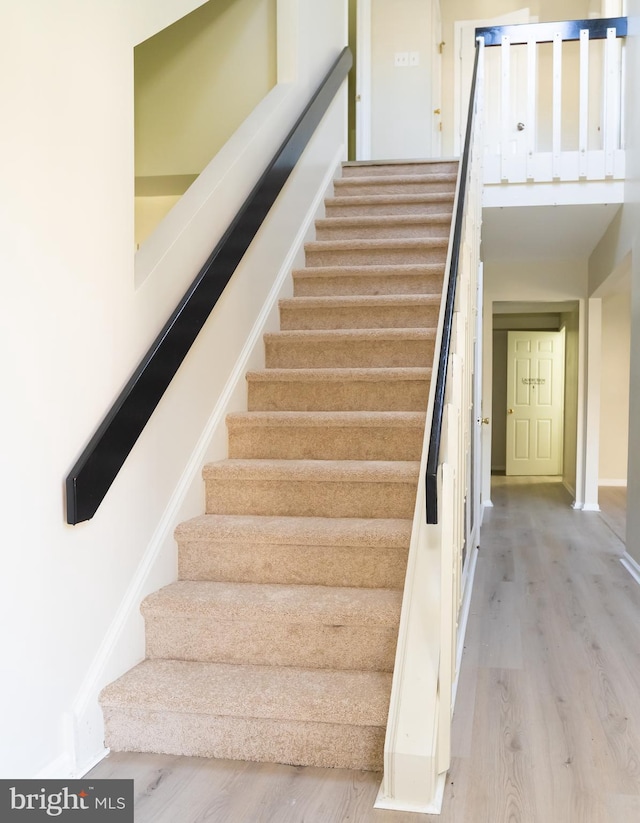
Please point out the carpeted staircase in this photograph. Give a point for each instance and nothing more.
(277, 643)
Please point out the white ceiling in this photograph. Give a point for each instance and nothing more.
(544, 232)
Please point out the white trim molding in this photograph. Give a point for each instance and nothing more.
(632, 566)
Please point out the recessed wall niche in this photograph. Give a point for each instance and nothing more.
(195, 82)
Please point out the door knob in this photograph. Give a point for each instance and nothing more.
(509, 411)
(485, 420)
(436, 111)
(520, 126)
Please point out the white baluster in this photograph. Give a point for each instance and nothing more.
(557, 107)
(505, 52)
(532, 94)
(583, 139)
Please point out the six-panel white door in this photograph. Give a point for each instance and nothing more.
(535, 402)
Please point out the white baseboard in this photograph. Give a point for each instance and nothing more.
(609, 482)
(590, 507)
(64, 769)
(85, 720)
(632, 566)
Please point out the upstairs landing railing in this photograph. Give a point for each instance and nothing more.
(554, 101)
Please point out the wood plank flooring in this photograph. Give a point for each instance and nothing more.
(547, 723)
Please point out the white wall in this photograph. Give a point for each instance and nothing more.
(614, 395)
(75, 326)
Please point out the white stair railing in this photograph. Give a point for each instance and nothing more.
(554, 102)
(418, 741)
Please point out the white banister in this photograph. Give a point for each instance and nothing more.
(583, 138)
(611, 114)
(559, 144)
(532, 104)
(505, 105)
(557, 106)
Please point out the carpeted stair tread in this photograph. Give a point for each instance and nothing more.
(318, 471)
(356, 168)
(260, 692)
(447, 178)
(345, 301)
(350, 335)
(388, 226)
(361, 348)
(315, 531)
(326, 435)
(339, 375)
(425, 200)
(373, 278)
(339, 389)
(374, 244)
(320, 551)
(326, 419)
(359, 311)
(272, 603)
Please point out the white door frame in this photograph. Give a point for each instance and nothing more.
(363, 80)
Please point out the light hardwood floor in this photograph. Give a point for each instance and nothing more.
(547, 723)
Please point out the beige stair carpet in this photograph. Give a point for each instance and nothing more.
(277, 643)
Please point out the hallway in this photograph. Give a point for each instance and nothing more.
(547, 723)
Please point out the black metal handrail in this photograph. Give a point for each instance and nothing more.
(521, 33)
(445, 346)
(97, 467)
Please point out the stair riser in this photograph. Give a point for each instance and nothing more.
(259, 643)
(323, 745)
(290, 498)
(385, 256)
(389, 169)
(334, 443)
(424, 228)
(420, 185)
(376, 317)
(397, 395)
(345, 284)
(295, 354)
(352, 566)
